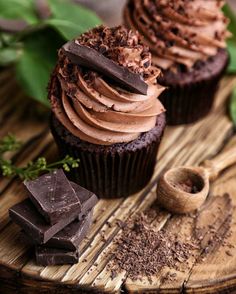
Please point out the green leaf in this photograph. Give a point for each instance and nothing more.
(232, 51)
(18, 9)
(233, 107)
(9, 55)
(37, 62)
(41, 40)
(66, 28)
(71, 19)
(231, 43)
(230, 14)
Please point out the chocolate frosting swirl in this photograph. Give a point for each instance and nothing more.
(97, 110)
(179, 31)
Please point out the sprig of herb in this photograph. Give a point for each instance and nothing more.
(33, 169)
(9, 143)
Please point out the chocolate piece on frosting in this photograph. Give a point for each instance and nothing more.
(53, 256)
(94, 60)
(121, 45)
(53, 196)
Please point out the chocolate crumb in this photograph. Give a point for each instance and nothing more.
(228, 253)
(113, 274)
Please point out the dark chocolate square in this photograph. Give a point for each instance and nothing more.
(53, 196)
(34, 225)
(52, 256)
(68, 238)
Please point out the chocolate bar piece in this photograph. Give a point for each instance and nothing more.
(53, 196)
(94, 60)
(69, 238)
(33, 224)
(88, 199)
(31, 221)
(52, 256)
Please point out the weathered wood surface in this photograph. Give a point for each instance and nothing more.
(181, 146)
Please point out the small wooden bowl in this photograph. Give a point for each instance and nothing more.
(174, 199)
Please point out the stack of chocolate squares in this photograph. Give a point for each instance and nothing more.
(55, 218)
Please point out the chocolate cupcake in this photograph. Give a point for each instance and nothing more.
(114, 131)
(187, 40)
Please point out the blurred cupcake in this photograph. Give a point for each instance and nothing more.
(115, 133)
(187, 40)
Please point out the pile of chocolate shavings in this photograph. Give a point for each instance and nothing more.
(122, 46)
(142, 252)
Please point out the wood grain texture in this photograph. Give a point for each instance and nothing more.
(183, 145)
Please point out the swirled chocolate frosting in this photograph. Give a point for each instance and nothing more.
(179, 31)
(94, 108)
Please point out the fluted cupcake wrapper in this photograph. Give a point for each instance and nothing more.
(111, 174)
(187, 104)
(190, 102)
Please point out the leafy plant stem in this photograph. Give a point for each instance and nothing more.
(33, 169)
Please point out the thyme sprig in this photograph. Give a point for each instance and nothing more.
(34, 168)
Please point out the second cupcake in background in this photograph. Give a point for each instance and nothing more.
(187, 40)
(102, 118)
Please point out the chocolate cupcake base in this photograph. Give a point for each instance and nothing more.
(111, 171)
(190, 95)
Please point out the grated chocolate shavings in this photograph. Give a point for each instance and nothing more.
(142, 252)
(122, 45)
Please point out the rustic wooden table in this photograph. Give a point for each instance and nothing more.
(183, 145)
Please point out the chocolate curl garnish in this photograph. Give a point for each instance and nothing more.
(93, 60)
(42, 9)
(12, 26)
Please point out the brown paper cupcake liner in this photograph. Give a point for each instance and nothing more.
(191, 101)
(111, 173)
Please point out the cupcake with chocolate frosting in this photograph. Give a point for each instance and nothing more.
(115, 131)
(188, 42)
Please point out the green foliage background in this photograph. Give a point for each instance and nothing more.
(34, 50)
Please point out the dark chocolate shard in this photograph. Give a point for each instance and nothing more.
(34, 225)
(53, 196)
(12, 25)
(94, 60)
(52, 256)
(73, 234)
(31, 221)
(68, 238)
(88, 199)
